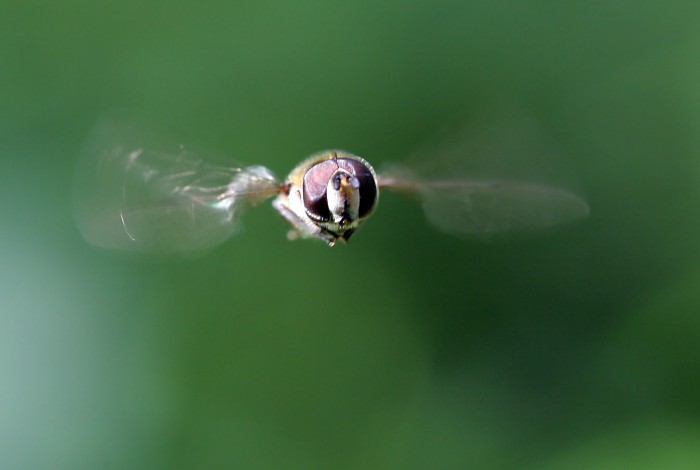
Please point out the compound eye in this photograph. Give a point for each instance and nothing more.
(316, 181)
(318, 176)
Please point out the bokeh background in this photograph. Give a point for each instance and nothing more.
(407, 348)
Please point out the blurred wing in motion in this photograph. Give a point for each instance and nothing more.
(500, 178)
(133, 195)
(488, 209)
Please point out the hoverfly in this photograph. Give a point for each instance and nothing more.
(134, 195)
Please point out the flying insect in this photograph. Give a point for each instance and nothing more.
(134, 195)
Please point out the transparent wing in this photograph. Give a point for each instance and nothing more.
(132, 193)
(501, 177)
(492, 208)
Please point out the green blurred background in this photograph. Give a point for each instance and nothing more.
(407, 348)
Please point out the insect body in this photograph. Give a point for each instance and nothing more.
(328, 195)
